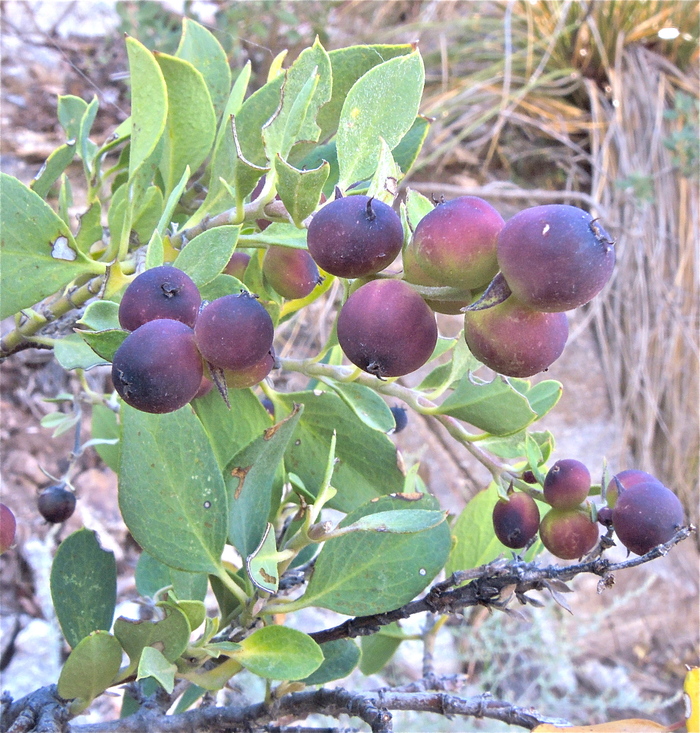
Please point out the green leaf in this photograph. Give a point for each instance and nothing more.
(456, 368)
(382, 104)
(372, 572)
(65, 201)
(403, 521)
(83, 586)
(86, 148)
(171, 635)
(406, 152)
(152, 575)
(101, 315)
(51, 171)
(279, 653)
(417, 206)
(70, 110)
(191, 122)
(348, 65)
(171, 493)
(283, 235)
(340, 657)
(229, 431)
(149, 104)
(90, 227)
(145, 213)
(384, 184)
(369, 407)
(204, 52)
(250, 479)
(475, 541)
(155, 252)
(307, 87)
(172, 202)
(189, 698)
(205, 256)
(38, 254)
(367, 465)
(105, 426)
(254, 113)
(262, 563)
(543, 396)
(104, 343)
(224, 156)
(495, 406)
(222, 285)
(72, 352)
(90, 669)
(154, 664)
(300, 190)
(379, 648)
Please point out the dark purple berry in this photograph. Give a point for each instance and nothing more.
(56, 504)
(455, 243)
(646, 515)
(355, 236)
(237, 265)
(386, 328)
(555, 257)
(234, 332)
(400, 418)
(158, 368)
(515, 340)
(567, 484)
(516, 519)
(161, 292)
(605, 516)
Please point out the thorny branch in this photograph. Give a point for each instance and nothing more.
(491, 585)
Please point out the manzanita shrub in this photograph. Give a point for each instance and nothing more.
(221, 496)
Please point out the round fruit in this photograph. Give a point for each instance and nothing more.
(291, 272)
(627, 479)
(456, 242)
(56, 504)
(555, 257)
(8, 527)
(386, 328)
(413, 273)
(161, 292)
(252, 375)
(234, 332)
(646, 515)
(237, 264)
(605, 516)
(355, 236)
(516, 520)
(158, 368)
(568, 533)
(515, 340)
(567, 484)
(400, 418)
(205, 387)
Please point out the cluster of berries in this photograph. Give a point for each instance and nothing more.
(160, 365)
(640, 509)
(545, 260)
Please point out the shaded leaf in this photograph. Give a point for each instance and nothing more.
(340, 657)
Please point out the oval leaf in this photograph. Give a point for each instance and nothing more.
(171, 492)
(279, 653)
(83, 586)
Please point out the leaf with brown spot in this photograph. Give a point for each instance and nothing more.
(249, 509)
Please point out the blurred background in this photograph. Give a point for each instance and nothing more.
(534, 101)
